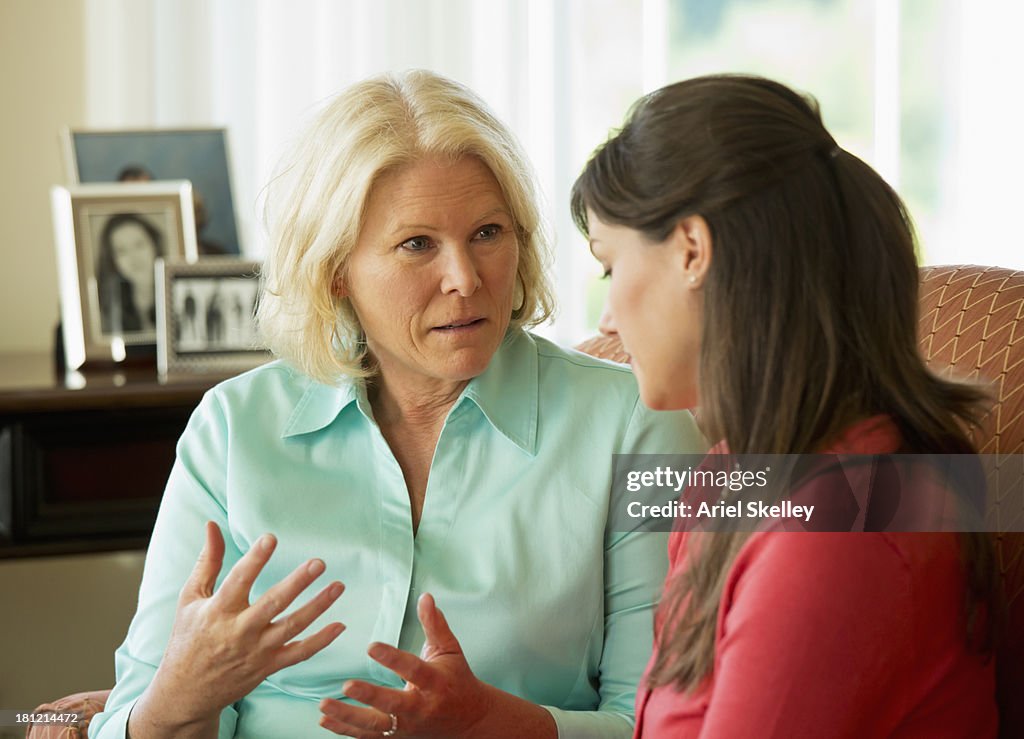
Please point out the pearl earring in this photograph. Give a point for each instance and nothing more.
(693, 279)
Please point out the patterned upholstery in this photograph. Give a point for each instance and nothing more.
(972, 324)
(86, 705)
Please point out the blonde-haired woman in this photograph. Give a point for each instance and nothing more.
(413, 441)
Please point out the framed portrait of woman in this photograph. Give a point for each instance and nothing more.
(108, 239)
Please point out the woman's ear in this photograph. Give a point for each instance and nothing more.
(691, 238)
(338, 288)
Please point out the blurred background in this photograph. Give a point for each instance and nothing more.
(927, 91)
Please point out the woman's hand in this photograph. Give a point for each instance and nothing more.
(221, 647)
(442, 697)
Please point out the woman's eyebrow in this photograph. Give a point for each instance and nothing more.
(398, 227)
(502, 210)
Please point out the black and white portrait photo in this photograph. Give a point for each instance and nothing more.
(128, 245)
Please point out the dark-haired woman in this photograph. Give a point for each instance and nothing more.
(763, 272)
(129, 247)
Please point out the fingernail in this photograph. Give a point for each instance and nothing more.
(377, 651)
(335, 590)
(315, 566)
(266, 542)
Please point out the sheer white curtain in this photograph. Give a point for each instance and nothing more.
(983, 180)
(259, 67)
(562, 73)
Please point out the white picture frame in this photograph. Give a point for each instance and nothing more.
(108, 238)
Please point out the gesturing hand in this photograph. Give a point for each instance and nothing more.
(442, 696)
(221, 647)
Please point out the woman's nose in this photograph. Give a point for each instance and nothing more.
(460, 273)
(607, 323)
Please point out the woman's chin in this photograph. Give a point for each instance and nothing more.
(464, 366)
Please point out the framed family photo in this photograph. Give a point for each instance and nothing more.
(108, 239)
(199, 155)
(206, 317)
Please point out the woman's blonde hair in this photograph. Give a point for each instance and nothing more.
(315, 208)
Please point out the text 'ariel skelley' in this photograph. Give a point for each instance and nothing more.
(751, 509)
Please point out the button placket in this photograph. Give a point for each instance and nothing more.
(396, 552)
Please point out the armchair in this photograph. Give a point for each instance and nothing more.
(972, 323)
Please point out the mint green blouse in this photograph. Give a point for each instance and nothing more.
(512, 541)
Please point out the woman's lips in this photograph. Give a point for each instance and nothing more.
(460, 326)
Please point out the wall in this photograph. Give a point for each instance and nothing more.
(61, 617)
(42, 84)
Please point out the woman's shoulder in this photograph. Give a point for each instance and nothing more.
(572, 379)
(595, 393)
(277, 378)
(275, 394)
(553, 351)
(571, 363)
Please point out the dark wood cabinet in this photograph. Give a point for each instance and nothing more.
(84, 458)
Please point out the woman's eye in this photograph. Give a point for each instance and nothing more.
(416, 243)
(488, 232)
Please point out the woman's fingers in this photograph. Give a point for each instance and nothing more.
(439, 635)
(340, 727)
(407, 666)
(292, 625)
(299, 651)
(281, 595)
(344, 718)
(203, 579)
(234, 591)
(388, 700)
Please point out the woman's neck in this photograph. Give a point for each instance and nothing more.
(421, 405)
(410, 412)
(144, 300)
(143, 294)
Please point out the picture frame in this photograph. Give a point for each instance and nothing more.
(108, 238)
(206, 317)
(199, 155)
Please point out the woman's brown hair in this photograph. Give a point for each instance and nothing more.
(810, 302)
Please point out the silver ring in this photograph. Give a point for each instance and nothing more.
(394, 726)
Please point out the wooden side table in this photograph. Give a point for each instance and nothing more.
(84, 457)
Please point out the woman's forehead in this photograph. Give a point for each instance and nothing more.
(433, 190)
(127, 228)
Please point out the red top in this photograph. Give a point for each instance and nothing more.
(835, 635)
